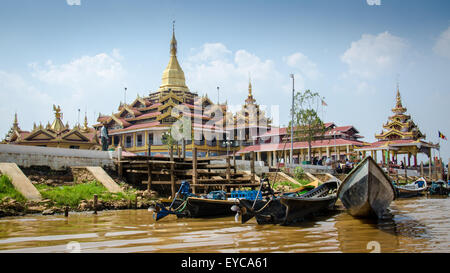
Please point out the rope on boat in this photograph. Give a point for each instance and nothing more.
(265, 206)
(182, 206)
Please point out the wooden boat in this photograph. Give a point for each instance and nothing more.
(439, 187)
(190, 205)
(367, 191)
(289, 208)
(320, 199)
(203, 207)
(412, 189)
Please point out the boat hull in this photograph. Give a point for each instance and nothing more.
(298, 209)
(287, 210)
(367, 191)
(201, 207)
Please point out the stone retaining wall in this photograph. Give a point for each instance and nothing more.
(55, 158)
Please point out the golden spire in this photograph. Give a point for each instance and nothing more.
(16, 122)
(173, 42)
(85, 127)
(57, 124)
(173, 75)
(399, 109)
(250, 99)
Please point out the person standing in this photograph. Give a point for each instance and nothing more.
(104, 137)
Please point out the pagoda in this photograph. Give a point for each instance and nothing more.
(54, 134)
(400, 126)
(143, 125)
(401, 136)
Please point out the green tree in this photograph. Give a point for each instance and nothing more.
(307, 124)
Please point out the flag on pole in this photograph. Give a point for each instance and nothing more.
(441, 135)
(324, 103)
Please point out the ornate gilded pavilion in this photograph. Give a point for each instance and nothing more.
(401, 136)
(55, 134)
(142, 124)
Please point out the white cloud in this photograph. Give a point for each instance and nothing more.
(100, 68)
(73, 2)
(304, 64)
(92, 83)
(373, 2)
(442, 46)
(215, 65)
(372, 55)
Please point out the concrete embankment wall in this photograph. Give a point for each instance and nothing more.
(55, 158)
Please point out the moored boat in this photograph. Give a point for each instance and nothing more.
(415, 188)
(318, 200)
(204, 207)
(290, 208)
(439, 187)
(190, 205)
(367, 190)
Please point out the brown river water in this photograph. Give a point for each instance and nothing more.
(419, 224)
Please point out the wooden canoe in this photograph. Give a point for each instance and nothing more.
(367, 191)
(202, 207)
(289, 209)
(318, 200)
(412, 189)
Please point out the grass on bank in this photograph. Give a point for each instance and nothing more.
(72, 195)
(7, 190)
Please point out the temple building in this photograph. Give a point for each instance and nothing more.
(143, 126)
(401, 136)
(337, 143)
(55, 134)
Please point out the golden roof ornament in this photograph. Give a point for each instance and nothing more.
(16, 123)
(173, 75)
(57, 124)
(399, 109)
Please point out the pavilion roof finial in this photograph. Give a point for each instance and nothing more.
(173, 42)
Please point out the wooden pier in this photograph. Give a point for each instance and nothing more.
(164, 173)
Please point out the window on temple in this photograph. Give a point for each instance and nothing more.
(129, 141)
(116, 140)
(150, 138)
(74, 147)
(139, 141)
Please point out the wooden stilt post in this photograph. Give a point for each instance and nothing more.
(119, 159)
(252, 166)
(421, 169)
(172, 178)
(448, 172)
(95, 203)
(234, 161)
(406, 170)
(149, 177)
(228, 174)
(429, 168)
(194, 168)
(184, 148)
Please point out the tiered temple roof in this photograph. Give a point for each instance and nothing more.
(400, 126)
(55, 134)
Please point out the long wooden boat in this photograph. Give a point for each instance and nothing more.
(203, 207)
(415, 188)
(290, 208)
(318, 200)
(367, 191)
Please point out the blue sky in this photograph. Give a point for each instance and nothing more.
(352, 53)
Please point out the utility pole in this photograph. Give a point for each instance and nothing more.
(292, 123)
(217, 95)
(125, 96)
